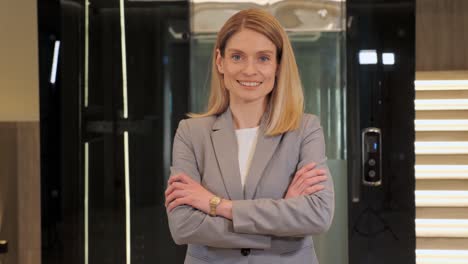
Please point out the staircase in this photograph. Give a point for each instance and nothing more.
(441, 167)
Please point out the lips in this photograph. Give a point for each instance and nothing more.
(249, 83)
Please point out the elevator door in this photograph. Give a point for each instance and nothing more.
(121, 63)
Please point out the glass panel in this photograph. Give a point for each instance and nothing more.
(320, 53)
(106, 209)
(114, 157)
(321, 58)
(105, 225)
(157, 67)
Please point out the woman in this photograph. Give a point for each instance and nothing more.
(249, 181)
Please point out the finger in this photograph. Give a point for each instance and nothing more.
(310, 177)
(174, 195)
(172, 179)
(304, 169)
(170, 198)
(299, 184)
(314, 173)
(175, 203)
(179, 185)
(313, 181)
(180, 178)
(313, 189)
(174, 186)
(170, 188)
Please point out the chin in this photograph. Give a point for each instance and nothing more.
(250, 98)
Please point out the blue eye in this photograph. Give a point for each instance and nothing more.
(236, 57)
(264, 58)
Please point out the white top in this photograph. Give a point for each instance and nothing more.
(246, 142)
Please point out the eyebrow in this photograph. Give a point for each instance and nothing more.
(261, 51)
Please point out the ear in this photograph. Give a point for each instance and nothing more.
(219, 61)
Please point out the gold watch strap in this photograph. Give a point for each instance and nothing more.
(214, 202)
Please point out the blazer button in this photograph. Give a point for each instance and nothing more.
(245, 251)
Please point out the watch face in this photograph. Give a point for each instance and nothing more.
(215, 200)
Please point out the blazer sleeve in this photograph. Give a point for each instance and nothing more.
(300, 216)
(191, 226)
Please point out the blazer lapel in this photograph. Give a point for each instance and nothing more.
(226, 150)
(266, 146)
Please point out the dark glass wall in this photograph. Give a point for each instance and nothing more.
(105, 158)
(381, 95)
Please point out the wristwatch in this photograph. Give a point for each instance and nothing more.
(214, 202)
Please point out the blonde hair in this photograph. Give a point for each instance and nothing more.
(286, 100)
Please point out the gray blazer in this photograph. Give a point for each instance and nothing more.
(274, 229)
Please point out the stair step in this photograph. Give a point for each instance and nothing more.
(440, 104)
(442, 94)
(442, 228)
(441, 172)
(441, 212)
(442, 114)
(442, 136)
(425, 85)
(440, 147)
(442, 75)
(441, 80)
(441, 125)
(430, 256)
(436, 184)
(441, 243)
(442, 159)
(441, 198)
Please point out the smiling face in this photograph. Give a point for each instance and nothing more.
(249, 66)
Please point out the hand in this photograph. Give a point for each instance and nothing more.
(181, 189)
(306, 181)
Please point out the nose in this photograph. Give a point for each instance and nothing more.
(250, 68)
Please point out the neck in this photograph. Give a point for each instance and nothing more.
(247, 115)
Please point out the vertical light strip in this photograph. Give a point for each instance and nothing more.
(329, 102)
(124, 58)
(86, 51)
(127, 198)
(86, 203)
(125, 116)
(53, 71)
(86, 150)
(167, 116)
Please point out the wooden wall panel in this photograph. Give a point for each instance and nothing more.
(441, 35)
(20, 200)
(8, 187)
(29, 196)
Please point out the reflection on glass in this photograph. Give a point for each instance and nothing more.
(86, 204)
(86, 55)
(127, 200)
(123, 48)
(295, 15)
(86, 145)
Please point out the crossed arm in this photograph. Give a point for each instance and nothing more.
(307, 207)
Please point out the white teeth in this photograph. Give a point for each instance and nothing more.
(251, 84)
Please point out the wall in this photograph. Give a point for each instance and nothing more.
(442, 35)
(19, 132)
